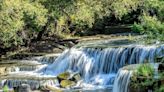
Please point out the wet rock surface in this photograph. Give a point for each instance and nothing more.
(64, 76)
(68, 79)
(24, 88)
(2, 70)
(161, 67)
(6, 70)
(67, 83)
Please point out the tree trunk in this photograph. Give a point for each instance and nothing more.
(40, 34)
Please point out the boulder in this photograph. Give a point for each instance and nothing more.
(67, 83)
(64, 76)
(68, 79)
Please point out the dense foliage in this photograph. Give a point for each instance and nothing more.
(151, 20)
(24, 20)
(19, 20)
(146, 77)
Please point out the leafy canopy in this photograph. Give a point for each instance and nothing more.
(29, 17)
(18, 15)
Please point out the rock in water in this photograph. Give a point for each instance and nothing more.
(53, 89)
(67, 83)
(24, 88)
(63, 76)
(77, 77)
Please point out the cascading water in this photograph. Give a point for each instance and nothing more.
(99, 67)
(122, 81)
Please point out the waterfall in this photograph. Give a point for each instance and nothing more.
(122, 81)
(156, 66)
(99, 66)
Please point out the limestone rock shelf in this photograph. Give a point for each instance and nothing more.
(46, 59)
(19, 63)
(25, 76)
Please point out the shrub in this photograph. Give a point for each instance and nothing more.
(151, 26)
(145, 70)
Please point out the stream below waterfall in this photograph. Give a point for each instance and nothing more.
(99, 68)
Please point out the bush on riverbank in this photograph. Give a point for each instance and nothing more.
(151, 26)
(151, 20)
(147, 78)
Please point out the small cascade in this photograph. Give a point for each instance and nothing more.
(124, 74)
(122, 81)
(28, 68)
(156, 66)
(46, 59)
(34, 84)
(15, 83)
(23, 65)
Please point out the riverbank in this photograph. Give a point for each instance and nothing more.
(53, 45)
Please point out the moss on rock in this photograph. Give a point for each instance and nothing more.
(64, 76)
(67, 83)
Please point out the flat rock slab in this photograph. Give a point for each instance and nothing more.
(26, 76)
(46, 59)
(19, 63)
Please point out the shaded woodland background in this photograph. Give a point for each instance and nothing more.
(25, 21)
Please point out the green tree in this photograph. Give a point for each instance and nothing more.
(84, 13)
(17, 16)
(22, 21)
